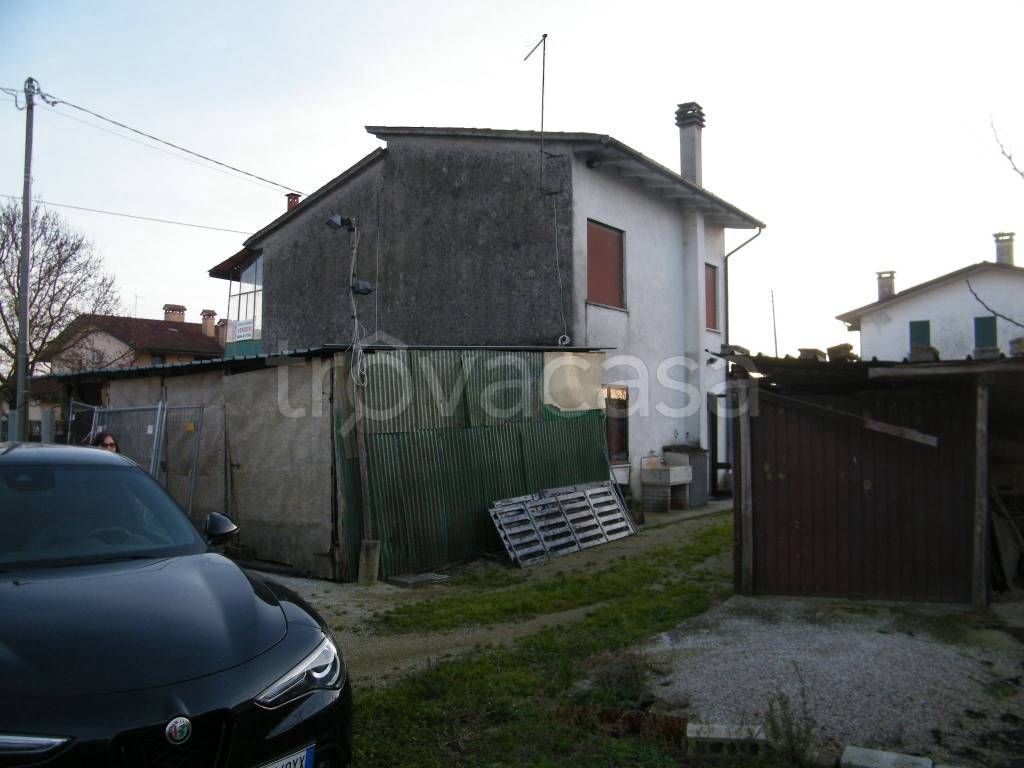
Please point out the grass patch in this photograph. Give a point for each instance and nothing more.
(500, 705)
(487, 576)
(950, 628)
(616, 682)
(561, 592)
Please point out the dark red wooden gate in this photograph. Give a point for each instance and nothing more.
(839, 509)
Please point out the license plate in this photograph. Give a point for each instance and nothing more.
(301, 759)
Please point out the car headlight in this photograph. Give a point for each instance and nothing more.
(35, 746)
(322, 669)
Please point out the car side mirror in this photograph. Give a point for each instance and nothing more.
(219, 528)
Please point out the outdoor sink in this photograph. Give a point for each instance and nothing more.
(659, 473)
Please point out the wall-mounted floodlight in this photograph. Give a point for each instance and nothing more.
(337, 221)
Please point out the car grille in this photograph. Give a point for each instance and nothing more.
(149, 748)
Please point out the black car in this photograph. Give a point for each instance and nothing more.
(126, 641)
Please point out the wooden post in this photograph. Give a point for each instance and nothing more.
(746, 500)
(979, 566)
(339, 555)
(369, 549)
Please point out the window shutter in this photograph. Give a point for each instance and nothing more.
(711, 296)
(920, 333)
(605, 265)
(985, 332)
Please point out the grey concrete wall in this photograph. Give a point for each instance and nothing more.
(278, 433)
(306, 269)
(465, 243)
(132, 393)
(278, 437)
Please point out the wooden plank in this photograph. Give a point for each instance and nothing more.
(904, 432)
(873, 424)
(950, 368)
(979, 566)
(746, 499)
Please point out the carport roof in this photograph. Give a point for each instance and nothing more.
(251, 362)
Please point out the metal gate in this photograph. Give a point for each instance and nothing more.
(164, 440)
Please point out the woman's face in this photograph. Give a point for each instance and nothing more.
(109, 444)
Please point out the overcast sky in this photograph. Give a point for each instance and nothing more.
(859, 133)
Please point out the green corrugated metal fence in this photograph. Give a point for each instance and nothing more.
(437, 464)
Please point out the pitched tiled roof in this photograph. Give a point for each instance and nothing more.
(853, 317)
(143, 335)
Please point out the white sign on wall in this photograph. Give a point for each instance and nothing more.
(244, 329)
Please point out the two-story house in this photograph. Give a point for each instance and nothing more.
(93, 342)
(488, 237)
(975, 311)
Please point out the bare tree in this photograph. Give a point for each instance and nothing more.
(1005, 151)
(67, 279)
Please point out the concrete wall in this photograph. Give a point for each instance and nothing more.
(278, 444)
(665, 249)
(306, 269)
(465, 243)
(951, 310)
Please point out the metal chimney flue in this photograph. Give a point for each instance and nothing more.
(886, 285)
(1004, 247)
(690, 119)
(293, 200)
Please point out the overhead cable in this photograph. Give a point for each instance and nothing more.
(133, 216)
(53, 101)
(162, 151)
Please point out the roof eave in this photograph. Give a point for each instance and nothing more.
(650, 172)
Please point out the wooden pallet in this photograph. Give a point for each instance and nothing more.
(560, 521)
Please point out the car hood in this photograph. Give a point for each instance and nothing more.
(124, 626)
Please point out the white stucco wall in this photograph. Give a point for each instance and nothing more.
(664, 252)
(951, 310)
(111, 351)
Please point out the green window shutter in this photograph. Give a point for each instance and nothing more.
(920, 333)
(985, 332)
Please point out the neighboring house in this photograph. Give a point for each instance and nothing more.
(109, 341)
(500, 237)
(943, 315)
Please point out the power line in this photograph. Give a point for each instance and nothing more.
(229, 174)
(53, 101)
(133, 216)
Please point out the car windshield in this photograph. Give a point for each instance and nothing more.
(64, 515)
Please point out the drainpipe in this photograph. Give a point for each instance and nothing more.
(728, 432)
(726, 277)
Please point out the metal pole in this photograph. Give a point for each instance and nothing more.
(775, 334)
(21, 378)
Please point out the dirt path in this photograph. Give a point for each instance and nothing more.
(376, 657)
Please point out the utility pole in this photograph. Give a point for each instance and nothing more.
(31, 87)
(775, 333)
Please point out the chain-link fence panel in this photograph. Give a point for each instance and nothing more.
(80, 423)
(162, 440)
(137, 432)
(183, 430)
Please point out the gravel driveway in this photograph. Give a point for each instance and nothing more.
(924, 680)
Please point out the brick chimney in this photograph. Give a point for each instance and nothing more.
(1004, 247)
(209, 320)
(886, 285)
(222, 332)
(690, 119)
(174, 312)
(293, 199)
